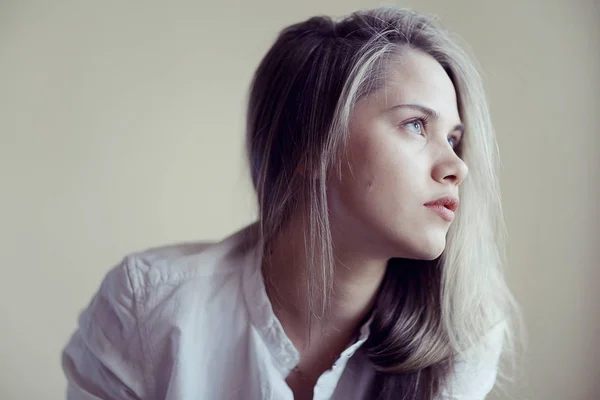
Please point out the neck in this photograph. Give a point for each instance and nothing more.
(357, 278)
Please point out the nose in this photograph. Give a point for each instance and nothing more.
(450, 168)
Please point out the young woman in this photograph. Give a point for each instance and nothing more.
(365, 276)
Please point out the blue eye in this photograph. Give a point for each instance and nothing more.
(453, 141)
(415, 126)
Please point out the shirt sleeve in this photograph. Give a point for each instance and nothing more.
(475, 372)
(104, 358)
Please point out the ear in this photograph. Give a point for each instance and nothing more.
(304, 171)
(301, 169)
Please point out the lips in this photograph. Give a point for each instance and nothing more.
(449, 202)
(444, 207)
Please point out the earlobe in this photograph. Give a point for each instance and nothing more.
(301, 170)
(305, 172)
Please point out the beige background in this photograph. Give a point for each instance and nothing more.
(121, 128)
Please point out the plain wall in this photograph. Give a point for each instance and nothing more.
(121, 128)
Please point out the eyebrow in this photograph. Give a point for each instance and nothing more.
(430, 113)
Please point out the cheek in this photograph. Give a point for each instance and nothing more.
(380, 178)
(387, 169)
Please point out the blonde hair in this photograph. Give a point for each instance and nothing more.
(301, 101)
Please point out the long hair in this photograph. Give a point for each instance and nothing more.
(301, 100)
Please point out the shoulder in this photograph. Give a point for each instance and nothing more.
(176, 274)
(475, 369)
(155, 303)
(162, 287)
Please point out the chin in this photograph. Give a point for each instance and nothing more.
(428, 249)
(433, 255)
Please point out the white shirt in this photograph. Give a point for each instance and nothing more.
(193, 321)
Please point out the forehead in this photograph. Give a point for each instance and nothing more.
(417, 78)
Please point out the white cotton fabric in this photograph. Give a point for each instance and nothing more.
(193, 321)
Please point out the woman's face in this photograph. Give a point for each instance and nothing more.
(401, 156)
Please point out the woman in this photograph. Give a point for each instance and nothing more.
(363, 278)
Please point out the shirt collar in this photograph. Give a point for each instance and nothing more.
(264, 319)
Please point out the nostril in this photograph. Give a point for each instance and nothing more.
(451, 178)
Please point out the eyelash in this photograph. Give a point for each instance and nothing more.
(424, 121)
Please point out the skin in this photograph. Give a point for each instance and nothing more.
(393, 166)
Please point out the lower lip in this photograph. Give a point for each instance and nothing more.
(443, 212)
